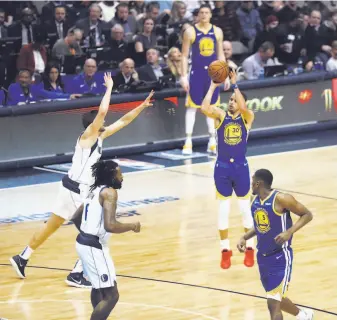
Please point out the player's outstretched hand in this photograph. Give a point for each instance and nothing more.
(241, 245)
(137, 227)
(108, 82)
(232, 76)
(283, 237)
(147, 102)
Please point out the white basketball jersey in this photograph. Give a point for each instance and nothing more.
(93, 217)
(83, 160)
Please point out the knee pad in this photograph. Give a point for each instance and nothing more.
(245, 209)
(223, 218)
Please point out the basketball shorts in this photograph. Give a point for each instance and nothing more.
(275, 272)
(199, 85)
(229, 176)
(67, 202)
(97, 265)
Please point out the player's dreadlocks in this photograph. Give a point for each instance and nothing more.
(104, 173)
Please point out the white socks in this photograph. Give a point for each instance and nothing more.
(224, 244)
(78, 268)
(247, 219)
(190, 120)
(26, 253)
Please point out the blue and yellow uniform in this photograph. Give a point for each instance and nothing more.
(275, 261)
(231, 170)
(203, 54)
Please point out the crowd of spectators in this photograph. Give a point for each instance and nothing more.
(59, 49)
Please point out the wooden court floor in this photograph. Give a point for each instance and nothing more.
(171, 269)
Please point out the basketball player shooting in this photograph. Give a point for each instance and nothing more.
(274, 229)
(231, 170)
(205, 40)
(74, 187)
(98, 223)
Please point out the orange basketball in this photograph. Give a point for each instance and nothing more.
(218, 71)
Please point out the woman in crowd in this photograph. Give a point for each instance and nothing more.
(173, 62)
(147, 39)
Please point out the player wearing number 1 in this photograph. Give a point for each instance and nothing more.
(74, 187)
(231, 170)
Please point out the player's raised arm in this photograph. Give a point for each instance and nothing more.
(219, 44)
(127, 118)
(288, 202)
(247, 114)
(209, 110)
(185, 51)
(108, 198)
(92, 131)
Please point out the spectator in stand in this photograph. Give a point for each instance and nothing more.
(137, 8)
(228, 52)
(3, 28)
(329, 28)
(173, 62)
(128, 21)
(331, 65)
(82, 9)
(152, 10)
(176, 39)
(118, 48)
(226, 19)
(33, 56)
(250, 23)
(266, 9)
(58, 24)
(287, 11)
(147, 39)
(178, 14)
(152, 71)
(48, 11)
(317, 6)
(126, 75)
(88, 82)
(21, 91)
(93, 27)
(268, 34)
(317, 46)
(69, 46)
(52, 85)
(24, 28)
(290, 38)
(253, 64)
(108, 10)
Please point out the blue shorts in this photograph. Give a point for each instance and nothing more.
(229, 176)
(199, 85)
(275, 272)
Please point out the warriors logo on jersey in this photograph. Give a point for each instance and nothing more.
(262, 220)
(233, 133)
(207, 46)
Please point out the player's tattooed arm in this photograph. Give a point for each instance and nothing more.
(77, 217)
(242, 242)
(109, 199)
(287, 201)
(207, 109)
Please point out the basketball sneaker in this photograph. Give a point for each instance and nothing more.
(19, 265)
(187, 148)
(305, 314)
(226, 259)
(249, 257)
(77, 280)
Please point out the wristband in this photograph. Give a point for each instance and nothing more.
(235, 86)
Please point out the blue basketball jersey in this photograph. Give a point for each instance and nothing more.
(203, 49)
(232, 136)
(269, 223)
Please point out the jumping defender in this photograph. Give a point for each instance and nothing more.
(98, 222)
(274, 230)
(231, 170)
(75, 186)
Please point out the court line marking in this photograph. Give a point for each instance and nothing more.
(184, 165)
(182, 284)
(144, 305)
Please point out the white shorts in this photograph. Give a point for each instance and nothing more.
(67, 202)
(97, 265)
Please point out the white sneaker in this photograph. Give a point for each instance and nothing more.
(305, 314)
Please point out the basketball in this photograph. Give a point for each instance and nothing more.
(218, 71)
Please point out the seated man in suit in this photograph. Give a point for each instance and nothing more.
(88, 82)
(21, 92)
(127, 75)
(152, 71)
